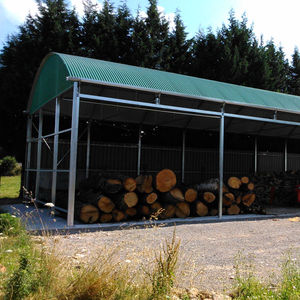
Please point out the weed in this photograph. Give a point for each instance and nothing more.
(163, 276)
(10, 225)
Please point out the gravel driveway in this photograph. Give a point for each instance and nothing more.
(208, 251)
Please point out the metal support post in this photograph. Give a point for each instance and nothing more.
(221, 162)
(88, 149)
(139, 151)
(28, 150)
(183, 156)
(285, 155)
(55, 150)
(73, 154)
(255, 155)
(39, 155)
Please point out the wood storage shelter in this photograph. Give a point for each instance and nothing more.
(86, 89)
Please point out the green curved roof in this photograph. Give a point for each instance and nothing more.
(51, 81)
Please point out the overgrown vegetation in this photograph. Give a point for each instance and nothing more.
(34, 272)
(248, 286)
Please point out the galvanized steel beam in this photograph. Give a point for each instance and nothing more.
(88, 149)
(255, 155)
(55, 150)
(139, 151)
(221, 161)
(28, 149)
(73, 154)
(183, 155)
(39, 154)
(285, 155)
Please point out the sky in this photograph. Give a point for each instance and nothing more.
(275, 19)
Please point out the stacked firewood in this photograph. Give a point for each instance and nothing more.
(277, 188)
(105, 198)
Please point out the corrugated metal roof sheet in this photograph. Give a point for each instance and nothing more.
(51, 81)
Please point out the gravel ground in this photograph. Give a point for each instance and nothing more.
(208, 252)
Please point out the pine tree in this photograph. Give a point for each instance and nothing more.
(294, 73)
(54, 28)
(123, 32)
(157, 29)
(178, 58)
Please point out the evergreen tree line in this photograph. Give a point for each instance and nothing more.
(231, 54)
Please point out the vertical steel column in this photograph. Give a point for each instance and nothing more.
(285, 155)
(28, 149)
(183, 155)
(221, 162)
(139, 151)
(73, 154)
(55, 150)
(255, 155)
(39, 155)
(88, 149)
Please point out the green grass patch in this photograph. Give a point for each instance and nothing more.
(10, 187)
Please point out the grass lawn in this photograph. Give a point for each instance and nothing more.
(10, 187)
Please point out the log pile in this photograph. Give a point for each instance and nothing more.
(110, 198)
(277, 188)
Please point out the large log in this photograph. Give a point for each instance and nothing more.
(182, 210)
(118, 215)
(87, 213)
(129, 184)
(144, 210)
(144, 184)
(126, 200)
(169, 211)
(234, 183)
(105, 204)
(190, 195)
(173, 196)
(165, 180)
(228, 199)
(209, 197)
(149, 198)
(110, 186)
(201, 209)
(131, 212)
(105, 218)
(233, 210)
(248, 199)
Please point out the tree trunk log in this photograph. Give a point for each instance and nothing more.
(87, 213)
(165, 180)
(182, 210)
(201, 209)
(129, 184)
(234, 183)
(144, 184)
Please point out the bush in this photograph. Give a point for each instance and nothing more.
(8, 165)
(10, 225)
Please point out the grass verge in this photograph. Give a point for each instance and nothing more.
(10, 187)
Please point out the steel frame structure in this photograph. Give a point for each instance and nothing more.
(146, 106)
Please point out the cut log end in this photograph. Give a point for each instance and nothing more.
(129, 184)
(245, 179)
(251, 186)
(201, 209)
(89, 214)
(228, 199)
(118, 215)
(209, 197)
(165, 180)
(190, 195)
(177, 194)
(234, 183)
(248, 199)
(182, 210)
(169, 211)
(131, 212)
(131, 199)
(144, 183)
(105, 218)
(151, 198)
(233, 210)
(105, 204)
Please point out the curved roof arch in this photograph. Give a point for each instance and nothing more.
(57, 71)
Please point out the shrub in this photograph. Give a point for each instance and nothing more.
(9, 224)
(7, 166)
